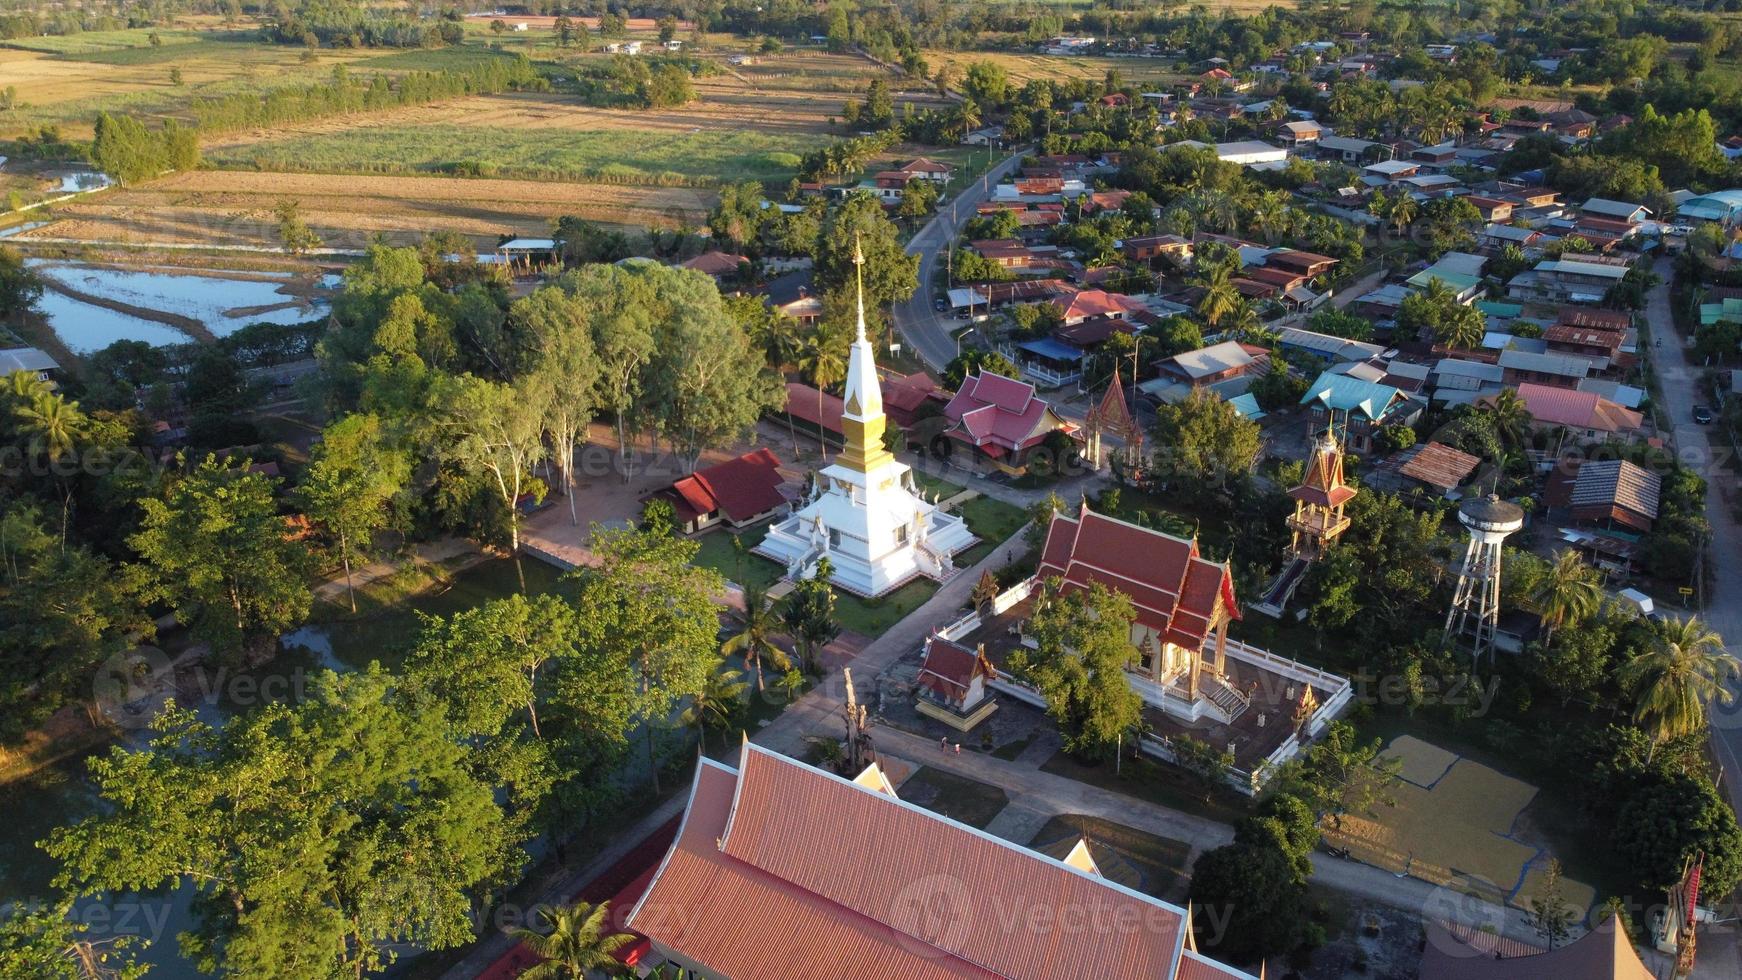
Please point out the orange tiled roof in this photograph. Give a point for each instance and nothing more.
(894, 893)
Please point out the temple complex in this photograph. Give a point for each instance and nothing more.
(864, 514)
(1193, 678)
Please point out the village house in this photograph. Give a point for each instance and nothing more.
(1594, 334)
(1214, 364)
(1583, 415)
(30, 360)
(1495, 238)
(1085, 303)
(1610, 493)
(1520, 366)
(1350, 150)
(791, 296)
(1356, 409)
(716, 264)
(1309, 264)
(1298, 133)
(1148, 248)
(1573, 278)
(1436, 467)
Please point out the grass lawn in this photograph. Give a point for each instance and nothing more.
(386, 622)
(870, 617)
(718, 554)
(931, 483)
(993, 522)
(614, 154)
(1145, 779)
(1009, 751)
(957, 797)
(1159, 862)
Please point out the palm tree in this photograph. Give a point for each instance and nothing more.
(23, 387)
(791, 684)
(1569, 594)
(820, 360)
(1671, 682)
(1461, 327)
(51, 422)
(755, 638)
(1511, 420)
(716, 702)
(1221, 296)
(1403, 211)
(967, 117)
(576, 945)
(1270, 215)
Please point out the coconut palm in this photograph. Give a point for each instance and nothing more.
(1221, 297)
(1269, 215)
(1569, 593)
(1685, 667)
(821, 360)
(1402, 211)
(715, 703)
(1461, 326)
(576, 946)
(51, 423)
(755, 637)
(967, 117)
(23, 387)
(1507, 414)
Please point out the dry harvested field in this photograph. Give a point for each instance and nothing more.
(1023, 67)
(236, 208)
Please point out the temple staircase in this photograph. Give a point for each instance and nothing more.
(1228, 700)
(1282, 588)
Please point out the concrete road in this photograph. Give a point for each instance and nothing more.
(927, 333)
(1680, 380)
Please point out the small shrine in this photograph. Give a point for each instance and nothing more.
(1112, 416)
(1317, 522)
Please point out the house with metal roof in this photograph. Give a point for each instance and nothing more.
(1627, 211)
(29, 360)
(1613, 493)
(1459, 272)
(1002, 421)
(1358, 409)
(1349, 149)
(1573, 278)
(1581, 414)
(1327, 346)
(1720, 206)
(1560, 370)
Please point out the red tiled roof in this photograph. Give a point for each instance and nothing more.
(903, 394)
(992, 410)
(1551, 405)
(949, 667)
(801, 404)
(740, 488)
(1173, 589)
(1604, 953)
(896, 892)
(715, 263)
(1085, 303)
(1093, 331)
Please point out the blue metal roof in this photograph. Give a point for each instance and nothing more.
(1342, 393)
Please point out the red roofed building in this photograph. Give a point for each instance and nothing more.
(1003, 420)
(1085, 303)
(895, 891)
(1183, 601)
(718, 264)
(737, 492)
(1584, 414)
(952, 683)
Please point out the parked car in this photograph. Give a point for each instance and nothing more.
(1703, 415)
(940, 304)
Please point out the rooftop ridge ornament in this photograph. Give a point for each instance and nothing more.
(859, 282)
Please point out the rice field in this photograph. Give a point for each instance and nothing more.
(236, 208)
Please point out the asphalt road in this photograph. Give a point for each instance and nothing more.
(1682, 390)
(924, 330)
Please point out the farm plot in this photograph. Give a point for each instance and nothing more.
(236, 208)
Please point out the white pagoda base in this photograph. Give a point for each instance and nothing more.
(875, 529)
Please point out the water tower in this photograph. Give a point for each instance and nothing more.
(1476, 604)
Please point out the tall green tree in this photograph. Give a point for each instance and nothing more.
(622, 312)
(1203, 437)
(320, 836)
(1569, 592)
(645, 605)
(51, 944)
(710, 384)
(754, 638)
(220, 554)
(1251, 895)
(717, 703)
(1084, 645)
(809, 615)
(496, 431)
(1340, 775)
(555, 327)
(352, 477)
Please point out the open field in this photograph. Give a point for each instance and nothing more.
(1026, 66)
(236, 208)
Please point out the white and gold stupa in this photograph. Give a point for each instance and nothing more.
(865, 515)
